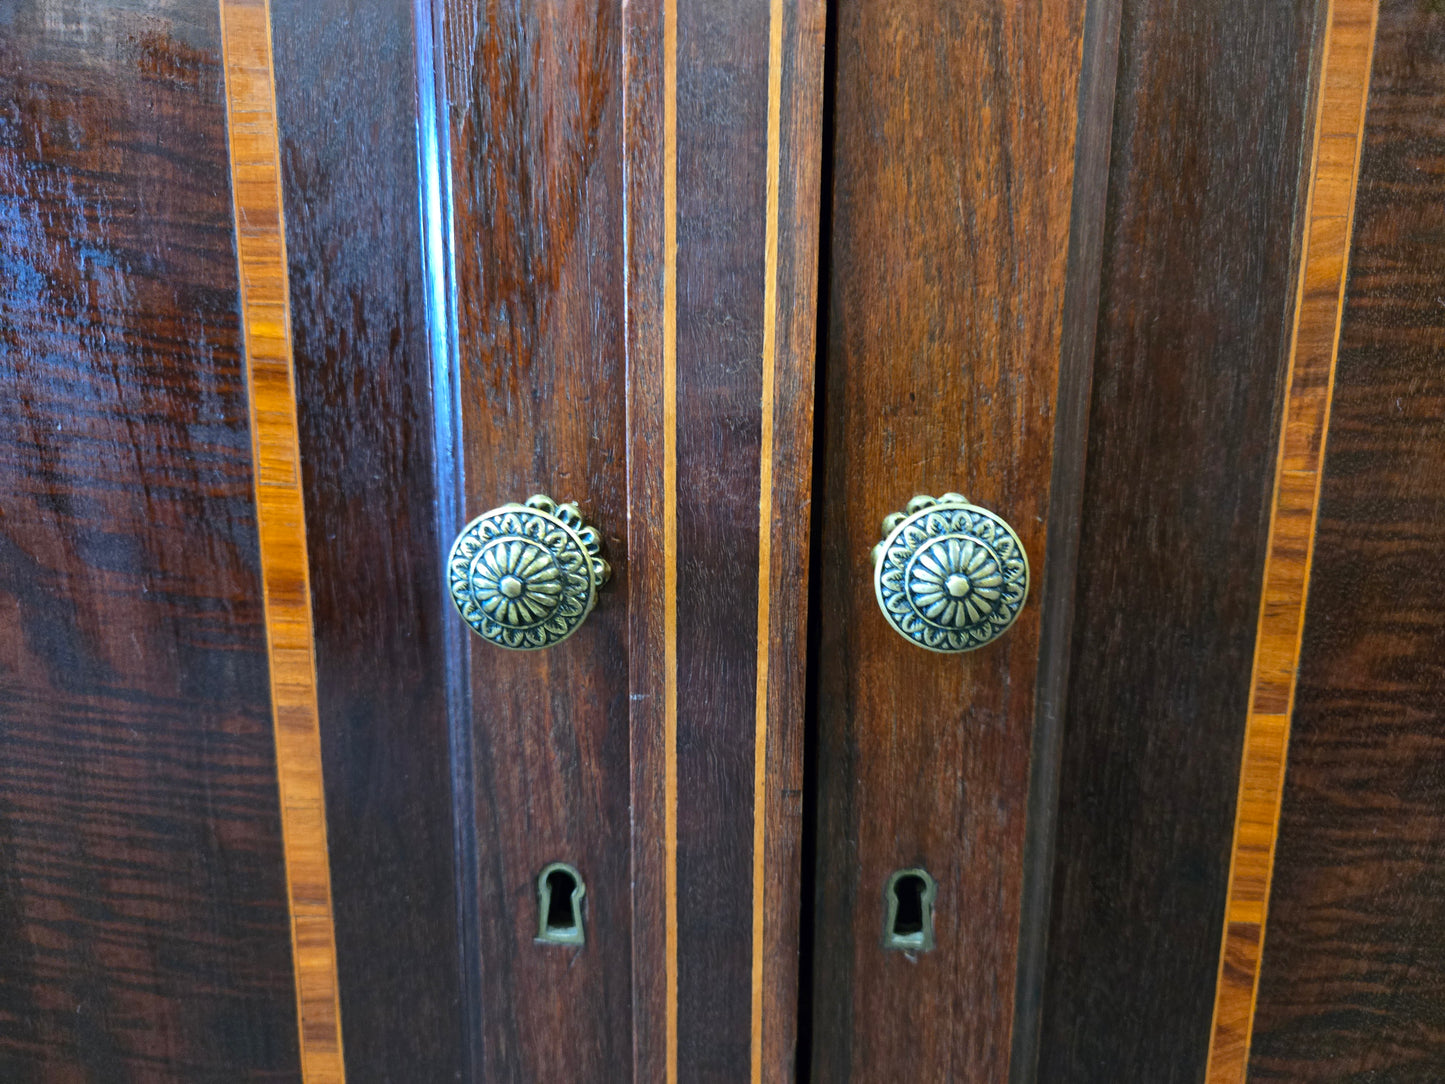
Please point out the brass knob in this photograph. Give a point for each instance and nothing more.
(950, 576)
(526, 576)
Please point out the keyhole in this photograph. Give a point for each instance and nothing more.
(909, 901)
(559, 905)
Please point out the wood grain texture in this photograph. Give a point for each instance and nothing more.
(1354, 960)
(722, 167)
(649, 177)
(796, 96)
(527, 387)
(531, 114)
(1211, 126)
(281, 527)
(1082, 281)
(701, 82)
(1342, 83)
(724, 283)
(347, 80)
(953, 151)
(143, 907)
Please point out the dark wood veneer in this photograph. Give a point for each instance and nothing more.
(1354, 952)
(722, 167)
(722, 112)
(409, 430)
(531, 110)
(143, 918)
(1210, 126)
(346, 89)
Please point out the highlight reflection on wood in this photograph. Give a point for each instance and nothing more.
(261, 255)
(1344, 79)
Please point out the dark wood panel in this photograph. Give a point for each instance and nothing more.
(722, 115)
(1341, 84)
(650, 336)
(953, 145)
(1212, 102)
(533, 122)
(796, 99)
(1098, 68)
(143, 923)
(524, 391)
(347, 90)
(1354, 955)
(723, 133)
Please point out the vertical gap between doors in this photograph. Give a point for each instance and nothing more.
(807, 896)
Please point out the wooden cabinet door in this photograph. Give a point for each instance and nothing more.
(1090, 264)
(591, 277)
(294, 292)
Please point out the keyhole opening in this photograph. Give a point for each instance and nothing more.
(559, 905)
(909, 898)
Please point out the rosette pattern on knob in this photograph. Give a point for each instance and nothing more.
(949, 575)
(525, 576)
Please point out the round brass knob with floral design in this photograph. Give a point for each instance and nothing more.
(950, 576)
(526, 576)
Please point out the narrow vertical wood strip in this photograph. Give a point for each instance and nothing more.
(669, 513)
(271, 392)
(765, 519)
(1343, 87)
(1099, 64)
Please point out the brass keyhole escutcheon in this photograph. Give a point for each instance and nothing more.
(949, 576)
(525, 576)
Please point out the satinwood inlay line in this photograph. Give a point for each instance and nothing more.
(669, 516)
(1343, 86)
(765, 521)
(271, 393)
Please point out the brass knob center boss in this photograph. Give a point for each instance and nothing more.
(950, 576)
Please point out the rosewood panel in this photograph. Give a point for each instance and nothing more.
(346, 90)
(143, 919)
(723, 130)
(952, 155)
(722, 115)
(1354, 955)
(1196, 295)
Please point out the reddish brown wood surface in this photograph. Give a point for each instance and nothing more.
(143, 918)
(722, 131)
(952, 180)
(531, 758)
(721, 169)
(346, 87)
(795, 149)
(1340, 93)
(727, 388)
(648, 40)
(535, 135)
(1212, 104)
(1354, 959)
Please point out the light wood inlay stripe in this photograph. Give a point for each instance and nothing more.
(765, 522)
(1344, 85)
(271, 388)
(669, 515)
